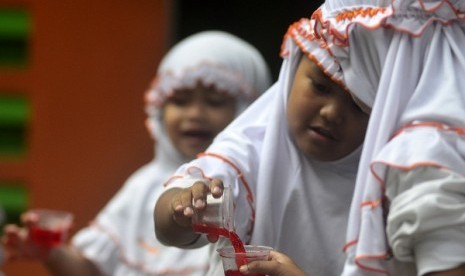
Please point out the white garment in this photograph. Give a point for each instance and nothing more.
(406, 60)
(121, 241)
(282, 199)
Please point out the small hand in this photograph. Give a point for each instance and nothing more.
(17, 243)
(193, 199)
(278, 265)
(188, 199)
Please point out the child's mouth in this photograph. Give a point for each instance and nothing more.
(197, 135)
(323, 132)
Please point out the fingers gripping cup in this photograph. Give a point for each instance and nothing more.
(217, 215)
(232, 259)
(51, 228)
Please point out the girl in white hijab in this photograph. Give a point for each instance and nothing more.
(201, 85)
(291, 160)
(406, 60)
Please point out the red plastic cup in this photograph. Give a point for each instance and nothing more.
(218, 214)
(231, 258)
(52, 227)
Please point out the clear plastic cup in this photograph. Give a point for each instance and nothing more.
(51, 228)
(217, 215)
(232, 260)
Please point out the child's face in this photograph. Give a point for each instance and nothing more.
(193, 118)
(324, 121)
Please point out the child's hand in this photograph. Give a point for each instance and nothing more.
(278, 265)
(194, 198)
(17, 243)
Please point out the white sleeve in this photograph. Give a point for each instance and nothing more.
(96, 245)
(100, 241)
(426, 219)
(209, 167)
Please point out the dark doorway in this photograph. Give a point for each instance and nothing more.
(261, 22)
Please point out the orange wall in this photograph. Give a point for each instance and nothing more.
(91, 62)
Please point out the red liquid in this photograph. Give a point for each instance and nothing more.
(47, 238)
(237, 273)
(231, 235)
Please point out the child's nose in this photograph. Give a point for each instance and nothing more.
(332, 112)
(195, 110)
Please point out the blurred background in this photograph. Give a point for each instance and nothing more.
(72, 79)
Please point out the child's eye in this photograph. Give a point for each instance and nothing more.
(178, 100)
(320, 88)
(217, 100)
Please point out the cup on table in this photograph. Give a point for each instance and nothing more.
(217, 215)
(51, 228)
(232, 260)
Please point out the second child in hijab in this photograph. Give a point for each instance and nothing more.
(202, 83)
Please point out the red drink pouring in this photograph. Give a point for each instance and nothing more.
(213, 230)
(217, 219)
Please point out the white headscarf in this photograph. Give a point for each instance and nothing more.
(121, 241)
(214, 58)
(282, 199)
(406, 60)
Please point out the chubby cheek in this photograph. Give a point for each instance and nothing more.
(295, 127)
(171, 121)
(355, 136)
(298, 116)
(290, 121)
(358, 137)
(219, 121)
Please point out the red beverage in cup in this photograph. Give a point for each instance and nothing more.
(237, 273)
(46, 237)
(51, 227)
(230, 258)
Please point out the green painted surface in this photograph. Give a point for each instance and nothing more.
(14, 119)
(14, 200)
(15, 30)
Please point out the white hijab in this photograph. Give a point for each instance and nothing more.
(122, 240)
(215, 58)
(406, 60)
(282, 199)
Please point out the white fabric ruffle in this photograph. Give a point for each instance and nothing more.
(405, 59)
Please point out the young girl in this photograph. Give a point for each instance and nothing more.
(291, 160)
(411, 59)
(406, 60)
(201, 85)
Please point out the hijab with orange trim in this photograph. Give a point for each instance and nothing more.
(282, 198)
